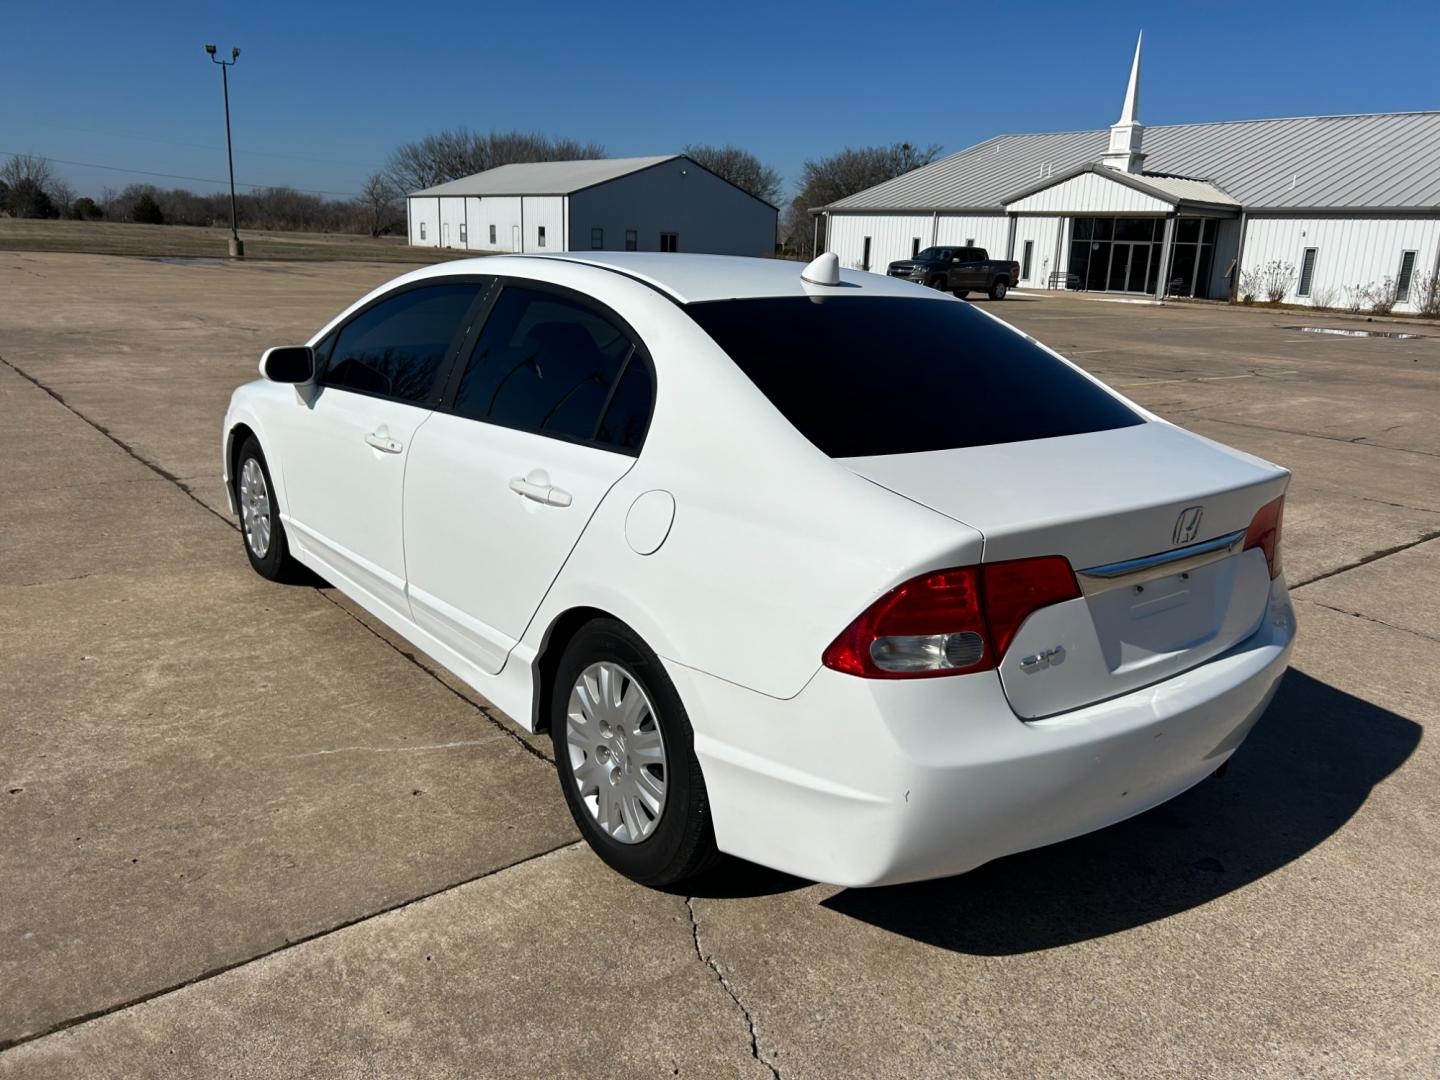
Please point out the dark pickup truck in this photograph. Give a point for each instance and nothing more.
(959, 270)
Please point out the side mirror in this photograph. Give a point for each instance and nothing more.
(955, 261)
(288, 364)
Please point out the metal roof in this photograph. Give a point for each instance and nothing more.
(545, 177)
(1377, 161)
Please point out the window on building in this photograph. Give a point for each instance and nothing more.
(669, 241)
(865, 255)
(597, 239)
(492, 234)
(395, 348)
(422, 230)
(540, 236)
(914, 246)
(1307, 272)
(632, 240)
(1407, 273)
(970, 242)
(463, 230)
(547, 364)
(1025, 259)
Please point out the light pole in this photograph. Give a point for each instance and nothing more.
(237, 246)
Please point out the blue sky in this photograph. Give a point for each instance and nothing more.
(323, 91)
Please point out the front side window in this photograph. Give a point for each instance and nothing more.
(540, 236)
(597, 239)
(395, 348)
(890, 375)
(548, 364)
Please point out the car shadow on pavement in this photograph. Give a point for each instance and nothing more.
(1306, 769)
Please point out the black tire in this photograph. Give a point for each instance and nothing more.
(998, 288)
(682, 843)
(275, 562)
(962, 293)
(937, 283)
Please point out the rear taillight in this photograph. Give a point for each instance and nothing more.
(1264, 533)
(949, 622)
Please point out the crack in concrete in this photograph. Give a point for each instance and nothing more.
(725, 984)
(1372, 619)
(1347, 440)
(1372, 557)
(221, 969)
(393, 749)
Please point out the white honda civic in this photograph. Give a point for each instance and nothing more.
(822, 569)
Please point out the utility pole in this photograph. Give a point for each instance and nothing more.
(237, 246)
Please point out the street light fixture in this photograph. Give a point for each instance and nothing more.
(237, 246)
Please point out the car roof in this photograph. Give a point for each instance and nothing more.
(692, 279)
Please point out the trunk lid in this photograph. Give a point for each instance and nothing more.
(1101, 499)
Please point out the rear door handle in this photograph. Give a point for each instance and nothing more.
(381, 441)
(537, 488)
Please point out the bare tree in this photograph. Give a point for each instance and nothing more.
(451, 154)
(19, 168)
(826, 180)
(740, 167)
(377, 202)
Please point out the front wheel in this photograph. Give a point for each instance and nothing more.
(937, 283)
(260, 527)
(625, 753)
(999, 288)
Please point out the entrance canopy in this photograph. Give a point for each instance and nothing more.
(1091, 189)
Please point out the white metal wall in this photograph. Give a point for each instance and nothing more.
(452, 216)
(891, 237)
(423, 211)
(1041, 231)
(1090, 193)
(707, 214)
(1350, 252)
(500, 211)
(988, 231)
(547, 212)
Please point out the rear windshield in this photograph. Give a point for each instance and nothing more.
(863, 377)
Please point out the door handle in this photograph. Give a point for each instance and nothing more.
(537, 488)
(382, 442)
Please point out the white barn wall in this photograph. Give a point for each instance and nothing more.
(891, 237)
(425, 211)
(989, 231)
(1042, 231)
(708, 214)
(452, 216)
(1350, 251)
(501, 211)
(548, 212)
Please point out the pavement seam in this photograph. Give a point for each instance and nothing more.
(158, 470)
(725, 985)
(1372, 619)
(1357, 440)
(1364, 560)
(211, 973)
(500, 725)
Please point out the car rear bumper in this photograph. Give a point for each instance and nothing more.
(870, 782)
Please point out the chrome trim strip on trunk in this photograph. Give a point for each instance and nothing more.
(1097, 579)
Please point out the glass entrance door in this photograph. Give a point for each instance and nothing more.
(1129, 267)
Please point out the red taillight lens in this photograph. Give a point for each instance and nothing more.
(1264, 533)
(949, 622)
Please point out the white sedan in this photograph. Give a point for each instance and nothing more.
(822, 569)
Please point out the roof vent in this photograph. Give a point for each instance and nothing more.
(825, 270)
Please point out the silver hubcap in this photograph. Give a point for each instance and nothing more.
(616, 752)
(255, 508)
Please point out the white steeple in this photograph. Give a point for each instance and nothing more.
(1127, 133)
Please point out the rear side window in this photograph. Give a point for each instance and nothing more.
(551, 365)
(395, 348)
(863, 377)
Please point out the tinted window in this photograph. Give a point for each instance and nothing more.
(396, 347)
(896, 376)
(628, 415)
(543, 363)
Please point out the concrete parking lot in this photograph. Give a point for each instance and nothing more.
(244, 831)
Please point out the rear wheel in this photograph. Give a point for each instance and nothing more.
(625, 754)
(260, 527)
(962, 293)
(999, 288)
(937, 283)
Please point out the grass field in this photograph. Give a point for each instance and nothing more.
(185, 241)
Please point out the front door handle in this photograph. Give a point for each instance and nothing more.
(381, 441)
(537, 488)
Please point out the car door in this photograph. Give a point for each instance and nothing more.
(344, 452)
(547, 413)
